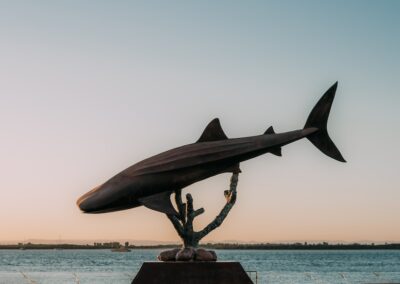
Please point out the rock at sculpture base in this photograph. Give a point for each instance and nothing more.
(187, 254)
(192, 273)
(168, 255)
(205, 255)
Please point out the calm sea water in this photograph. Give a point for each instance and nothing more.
(283, 266)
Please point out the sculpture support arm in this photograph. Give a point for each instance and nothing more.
(177, 225)
(181, 206)
(191, 213)
(230, 196)
(183, 223)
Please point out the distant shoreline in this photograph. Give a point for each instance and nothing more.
(222, 246)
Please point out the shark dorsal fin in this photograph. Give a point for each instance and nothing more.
(213, 132)
(270, 130)
(160, 202)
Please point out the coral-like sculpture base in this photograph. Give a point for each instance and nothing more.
(183, 223)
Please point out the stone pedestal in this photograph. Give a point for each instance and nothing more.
(192, 273)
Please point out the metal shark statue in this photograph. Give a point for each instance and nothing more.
(151, 181)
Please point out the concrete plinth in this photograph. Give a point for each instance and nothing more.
(192, 273)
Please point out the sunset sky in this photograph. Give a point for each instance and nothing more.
(89, 88)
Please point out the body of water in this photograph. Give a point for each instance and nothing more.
(272, 266)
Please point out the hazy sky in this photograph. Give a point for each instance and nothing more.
(89, 88)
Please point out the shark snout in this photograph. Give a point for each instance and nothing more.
(86, 204)
(89, 201)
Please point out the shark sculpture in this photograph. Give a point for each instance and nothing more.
(152, 181)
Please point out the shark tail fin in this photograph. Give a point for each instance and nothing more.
(318, 118)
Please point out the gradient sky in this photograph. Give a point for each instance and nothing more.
(89, 88)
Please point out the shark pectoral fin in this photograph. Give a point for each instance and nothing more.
(160, 202)
(276, 151)
(213, 132)
(270, 130)
(233, 169)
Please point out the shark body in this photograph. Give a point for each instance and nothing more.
(152, 181)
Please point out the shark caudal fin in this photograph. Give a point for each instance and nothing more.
(318, 118)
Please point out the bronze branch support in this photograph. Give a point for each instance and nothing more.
(183, 223)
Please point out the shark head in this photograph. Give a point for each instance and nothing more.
(103, 198)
